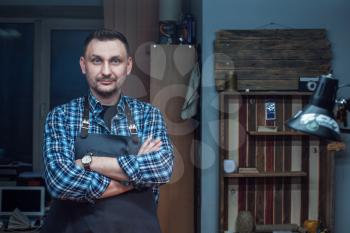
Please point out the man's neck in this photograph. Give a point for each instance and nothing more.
(110, 100)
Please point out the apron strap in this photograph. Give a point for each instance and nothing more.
(131, 123)
(85, 126)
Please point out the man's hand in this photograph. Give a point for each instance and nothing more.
(150, 145)
(115, 188)
(79, 163)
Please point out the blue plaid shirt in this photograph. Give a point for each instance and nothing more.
(66, 180)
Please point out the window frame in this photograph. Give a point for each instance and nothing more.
(42, 71)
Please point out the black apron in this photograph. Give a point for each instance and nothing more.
(131, 212)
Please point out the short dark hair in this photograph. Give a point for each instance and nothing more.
(106, 35)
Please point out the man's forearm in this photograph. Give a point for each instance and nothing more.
(115, 188)
(109, 167)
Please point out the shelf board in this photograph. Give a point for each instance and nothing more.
(278, 133)
(266, 174)
(287, 93)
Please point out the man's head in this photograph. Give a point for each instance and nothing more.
(106, 63)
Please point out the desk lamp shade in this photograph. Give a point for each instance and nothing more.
(317, 117)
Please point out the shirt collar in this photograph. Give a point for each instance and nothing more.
(96, 106)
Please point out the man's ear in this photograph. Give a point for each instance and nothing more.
(129, 67)
(82, 65)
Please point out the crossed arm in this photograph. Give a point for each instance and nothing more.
(109, 167)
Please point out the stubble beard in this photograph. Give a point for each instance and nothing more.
(99, 90)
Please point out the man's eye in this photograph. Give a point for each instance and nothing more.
(115, 61)
(96, 60)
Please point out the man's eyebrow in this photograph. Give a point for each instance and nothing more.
(117, 58)
(98, 56)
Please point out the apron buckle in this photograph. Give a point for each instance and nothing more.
(85, 124)
(132, 129)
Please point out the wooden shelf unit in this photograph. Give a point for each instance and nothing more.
(287, 160)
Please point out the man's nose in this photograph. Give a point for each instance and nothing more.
(106, 69)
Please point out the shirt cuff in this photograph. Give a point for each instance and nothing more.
(98, 186)
(130, 166)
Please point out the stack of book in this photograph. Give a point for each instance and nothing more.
(248, 170)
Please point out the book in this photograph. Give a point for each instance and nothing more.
(248, 170)
(265, 128)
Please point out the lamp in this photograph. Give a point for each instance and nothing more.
(317, 117)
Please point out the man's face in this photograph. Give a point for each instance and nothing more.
(106, 65)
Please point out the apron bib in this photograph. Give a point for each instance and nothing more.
(131, 212)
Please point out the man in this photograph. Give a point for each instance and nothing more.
(105, 154)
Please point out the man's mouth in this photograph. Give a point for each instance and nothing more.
(106, 81)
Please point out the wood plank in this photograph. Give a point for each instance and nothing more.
(264, 93)
(296, 159)
(287, 112)
(278, 200)
(223, 114)
(222, 46)
(270, 157)
(272, 34)
(232, 126)
(260, 120)
(278, 196)
(271, 74)
(242, 193)
(326, 181)
(287, 165)
(264, 85)
(305, 182)
(305, 163)
(282, 133)
(314, 158)
(251, 196)
(223, 61)
(269, 204)
(232, 205)
(251, 153)
(323, 185)
(266, 174)
(243, 122)
(251, 102)
(260, 162)
(321, 54)
(234, 103)
(286, 214)
(260, 207)
(252, 115)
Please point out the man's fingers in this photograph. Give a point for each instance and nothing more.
(143, 146)
(150, 146)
